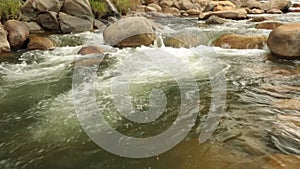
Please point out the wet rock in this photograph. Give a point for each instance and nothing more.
(282, 161)
(254, 4)
(256, 11)
(49, 21)
(222, 5)
(235, 41)
(18, 33)
(268, 25)
(193, 12)
(150, 9)
(296, 5)
(78, 8)
(72, 24)
(4, 44)
(294, 10)
(40, 43)
(260, 19)
(274, 11)
(157, 7)
(229, 14)
(285, 134)
(98, 24)
(90, 50)
(215, 20)
(130, 32)
(282, 5)
(34, 27)
(173, 11)
(285, 41)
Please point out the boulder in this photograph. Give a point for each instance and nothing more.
(254, 4)
(98, 24)
(40, 43)
(274, 11)
(18, 33)
(72, 24)
(215, 20)
(34, 27)
(4, 44)
(45, 6)
(29, 9)
(166, 3)
(285, 41)
(268, 25)
(79, 8)
(186, 5)
(157, 7)
(90, 50)
(193, 12)
(49, 21)
(222, 5)
(173, 11)
(130, 32)
(236, 41)
(230, 14)
(282, 5)
(150, 9)
(256, 11)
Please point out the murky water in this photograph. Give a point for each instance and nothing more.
(40, 129)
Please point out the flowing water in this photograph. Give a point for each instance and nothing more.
(40, 129)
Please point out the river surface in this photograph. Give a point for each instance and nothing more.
(40, 129)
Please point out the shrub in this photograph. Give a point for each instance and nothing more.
(124, 6)
(99, 8)
(10, 9)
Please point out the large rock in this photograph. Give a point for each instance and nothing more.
(48, 5)
(282, 5)
(285, 40)
(268, 25)
(34, 27)
(90, 50)
(254, 4)
(79, 8)
(186, 5)
(49, 21)
(72, 24)
(235, 41)
(18, 33)
(172, 10)
(215, 20)
(40, 43)
(222, 5)
(130, 32)
(230, 14)
(4, 45)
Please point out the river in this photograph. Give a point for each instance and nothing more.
(40, 127)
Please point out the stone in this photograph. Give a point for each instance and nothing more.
(236, 41)
(157, 7)
(215, 20)
(260, 19)
(166, 3)
(274, 11)
(282, 161)
(193, 12)
(73, 24)
(150, 9)
(185, 5)
(18, 33)
(98, 24)
(256, 11)
(90, 50)
(49, 21)
(268, 25)
(173, 11)
(254, 4)
(4, 44)
(40, 43)
(131, 32)
(282, 5)
(284, 41)
(29, 9)
(222, 5)
(34, 27)
(229, 14)
(79, 8)
(45, 6)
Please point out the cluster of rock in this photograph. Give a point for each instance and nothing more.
(63, 16)
(15, 35)
(231, 9)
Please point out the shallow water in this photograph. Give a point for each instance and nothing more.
(40, 127)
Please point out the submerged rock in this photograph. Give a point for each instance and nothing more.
(229, 14)
(90, 50)
(236, 41)
(131, 32)
(285, 41)
(18, 33)
(215, 20)
(268, 25)
(4, 44)
(40, 43)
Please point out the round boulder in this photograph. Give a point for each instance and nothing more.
(40, 43)
(18, 33)
(130, 32)
(90, 50)
(4, 45)
(285, 41)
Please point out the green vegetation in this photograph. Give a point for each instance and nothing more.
(10, 9)
(99, 8)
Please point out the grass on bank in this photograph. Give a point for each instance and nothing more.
(10, 9)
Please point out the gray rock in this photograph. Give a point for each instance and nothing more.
(18, 33)
(72, 24)
(4, 44)
(49, 21)
(34, 27)
(282, 5)
(79, 8)
(215, 20)
(130, 32)
(49, 5)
